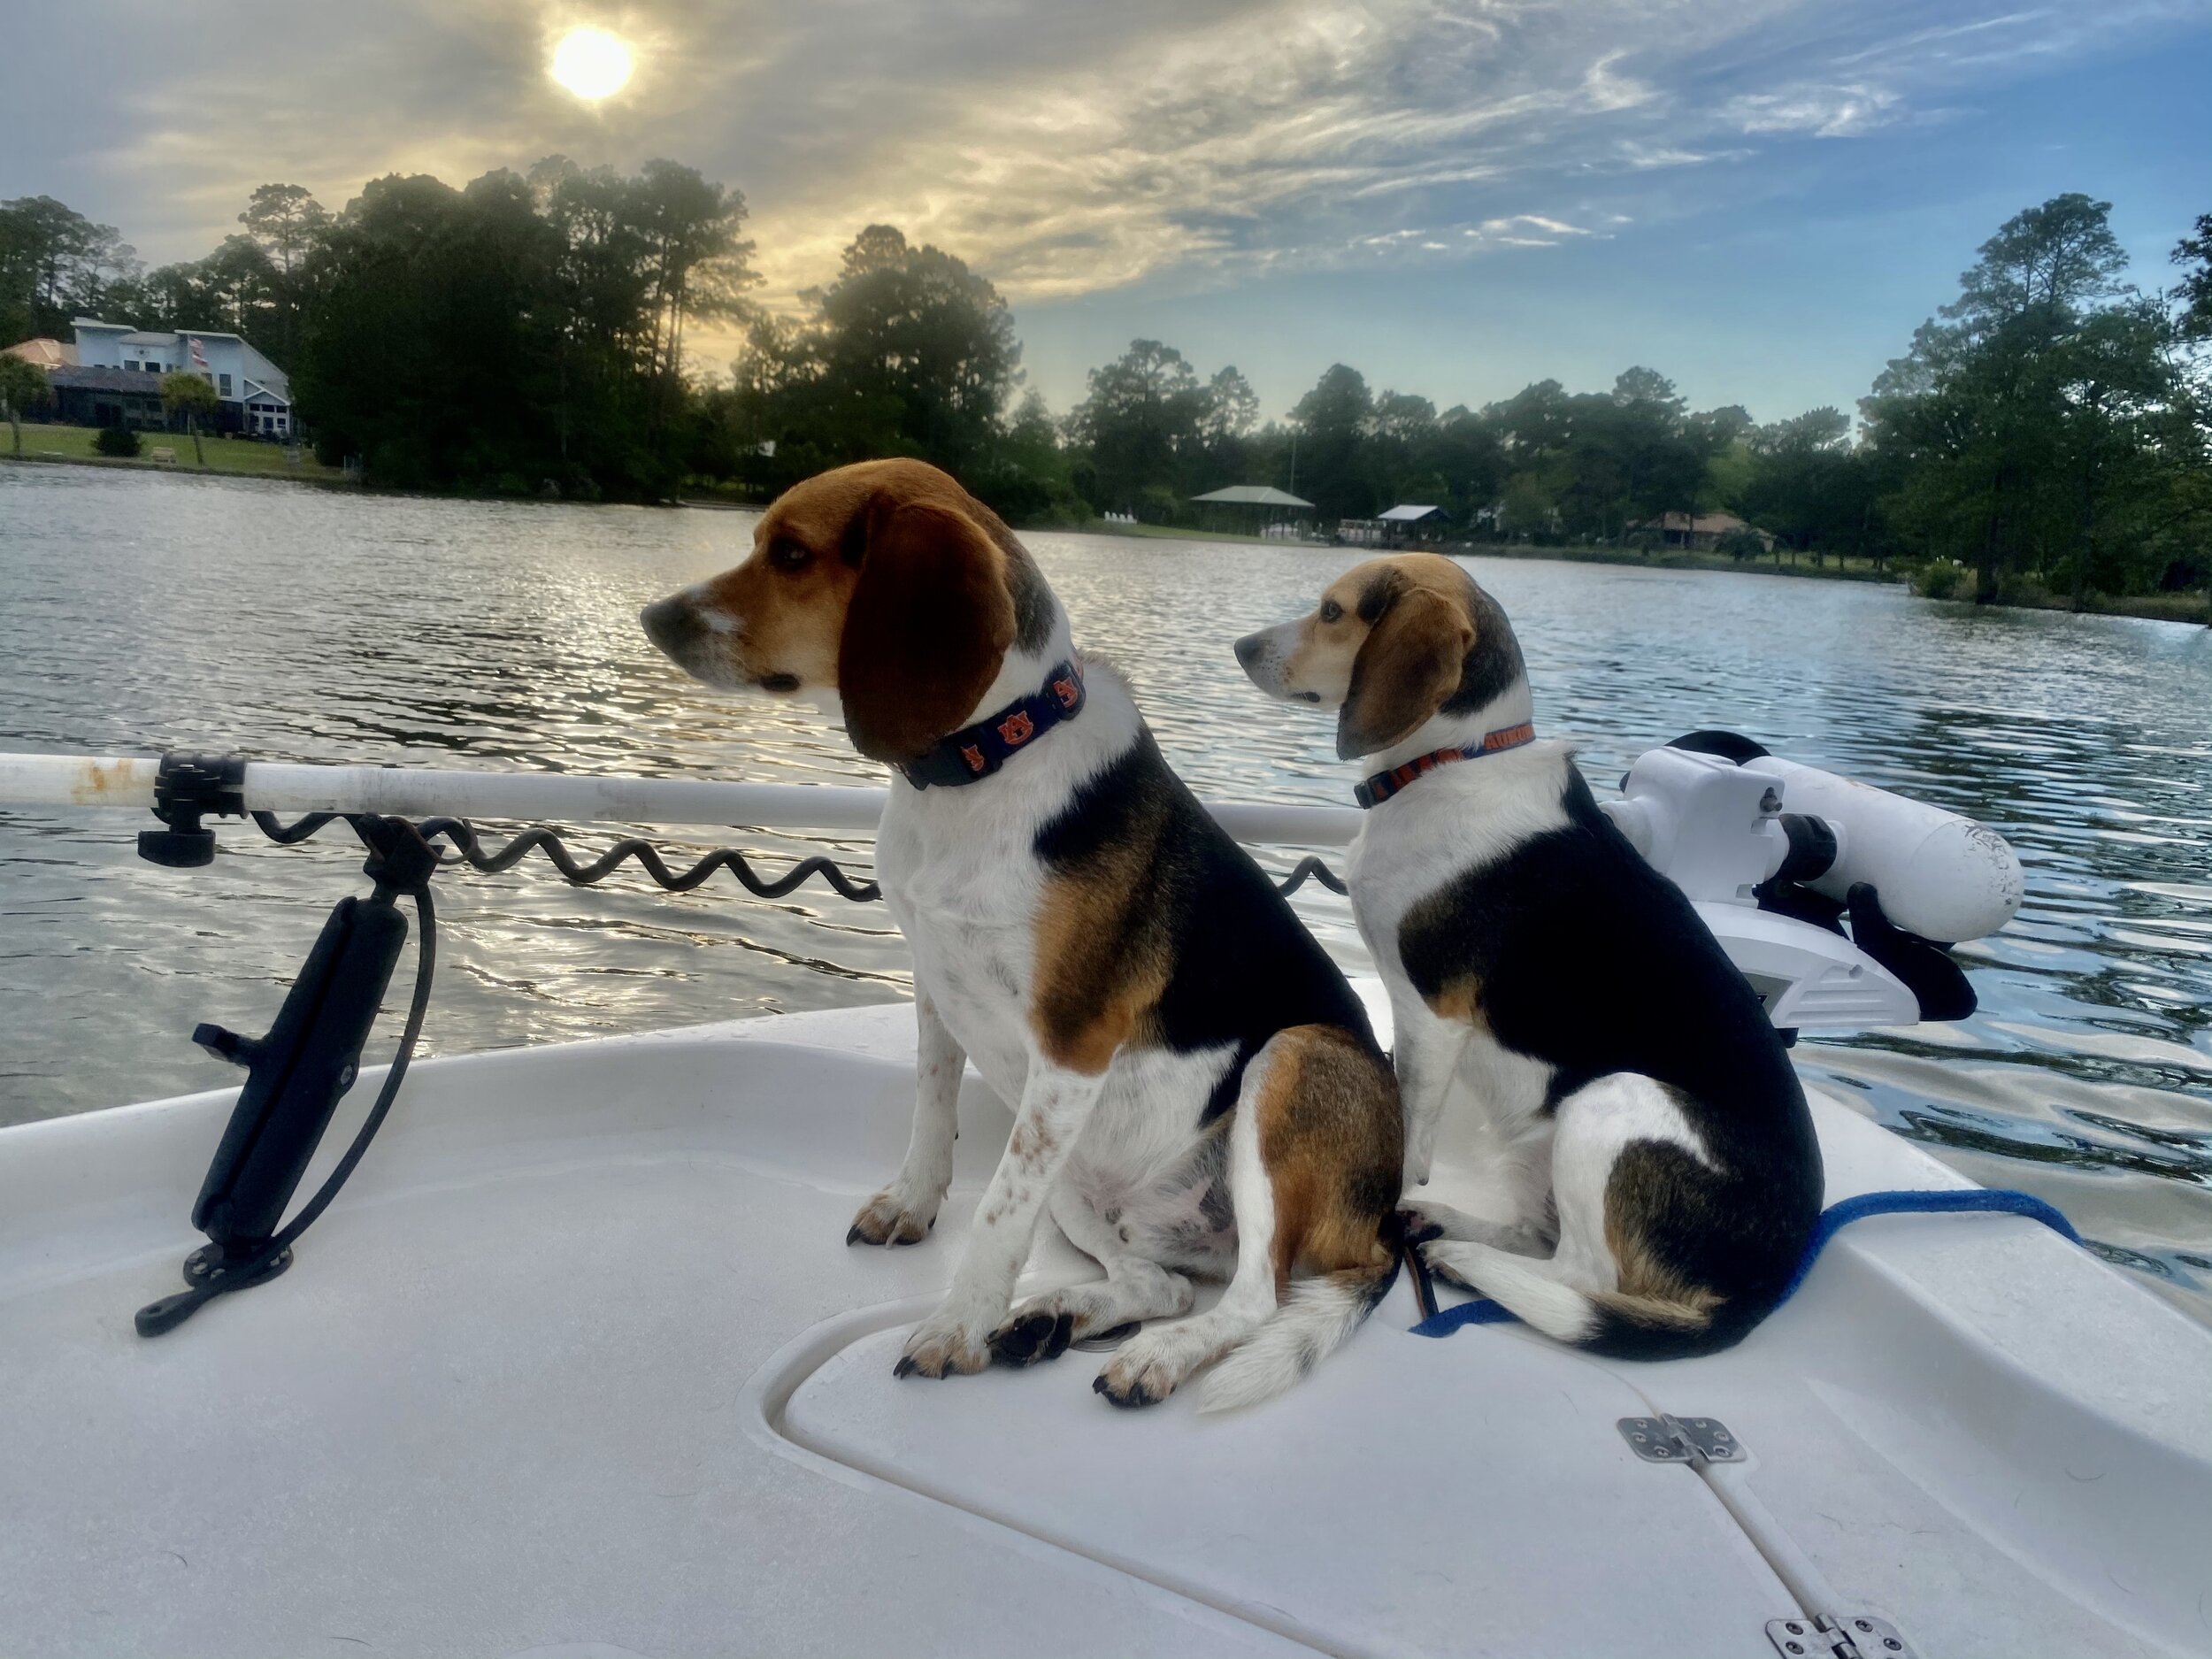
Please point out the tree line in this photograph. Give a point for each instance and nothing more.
(2049, 428)
(522, 334)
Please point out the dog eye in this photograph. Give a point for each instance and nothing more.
(1332, 611)
(789, 556)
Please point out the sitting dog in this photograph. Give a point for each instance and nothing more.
(1657, 1172)
(1197, 1091)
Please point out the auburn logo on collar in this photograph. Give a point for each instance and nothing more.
(1067, 692)
(1018, 728)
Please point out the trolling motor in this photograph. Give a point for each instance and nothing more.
(1735, 826)
(297, 1073)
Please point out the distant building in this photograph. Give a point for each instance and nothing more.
(1699, 530)
(43, 354)
(105, 397)
(1409, 522)
(254, 396)
(1412, 522)
(1272, 509)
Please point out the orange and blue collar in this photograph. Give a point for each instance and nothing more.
(1383, 785)
(974, 752)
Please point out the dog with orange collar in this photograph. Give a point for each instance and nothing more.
(1572, 1043)
(1197, 1093)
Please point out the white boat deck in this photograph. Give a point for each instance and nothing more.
(580, 1365)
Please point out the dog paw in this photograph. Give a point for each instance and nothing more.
(1417, 1227)
(1143, 1373)
(889, 1219)
(949, 1340)
(1033, 1337)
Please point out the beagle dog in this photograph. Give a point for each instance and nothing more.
(1652, 1168)
(1198, 1093)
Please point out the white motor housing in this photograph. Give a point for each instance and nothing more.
(1940, 876)
(1712, 828)
(1720, 830)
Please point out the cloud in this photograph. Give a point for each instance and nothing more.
(1061, 149)
(1823, 111)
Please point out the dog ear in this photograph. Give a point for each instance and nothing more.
(1408, 665)
(926, 628)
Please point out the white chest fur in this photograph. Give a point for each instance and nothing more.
(1463, 817)
(960, 875)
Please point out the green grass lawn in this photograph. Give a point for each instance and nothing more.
(224, 455)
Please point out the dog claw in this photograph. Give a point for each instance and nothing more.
(886, 1219)
(1137, 1395)
(905, 1367)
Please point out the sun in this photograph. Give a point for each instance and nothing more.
(592, 63)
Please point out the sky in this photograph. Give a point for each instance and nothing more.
(1759, 199)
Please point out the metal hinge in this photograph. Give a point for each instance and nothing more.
(1693, 1440)
(1854, 1636)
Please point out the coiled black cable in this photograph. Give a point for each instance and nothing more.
(470, 850)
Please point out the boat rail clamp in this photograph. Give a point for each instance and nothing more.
(186, 787)
(1693, 1440)
(1854, 1636)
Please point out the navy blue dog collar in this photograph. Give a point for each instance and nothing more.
(977, 751)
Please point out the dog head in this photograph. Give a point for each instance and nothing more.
(1394, 643)
(884, 587)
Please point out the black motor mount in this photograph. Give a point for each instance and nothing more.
(297, 1073)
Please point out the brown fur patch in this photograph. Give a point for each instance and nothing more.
(1332, 1141)
(1033, 1143)
(1460, 998)
(1103, 950)
(1650, 1289)
(1410, 663)
(927, 627)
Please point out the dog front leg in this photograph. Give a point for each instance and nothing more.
(903, 1212)
(1425, 1052)
(1055, 1103)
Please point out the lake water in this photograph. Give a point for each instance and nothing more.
(140, 613)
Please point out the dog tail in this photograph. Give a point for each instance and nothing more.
(1613, 1324)
(1315, 1319)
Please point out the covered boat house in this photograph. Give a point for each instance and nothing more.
(1255, 508)
(1409, 524)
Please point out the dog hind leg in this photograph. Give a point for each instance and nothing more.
(1316, 1154)
(1136, 1288)
(1532, 1236)
(1583, 1294)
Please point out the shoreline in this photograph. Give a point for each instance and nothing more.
(322, 477)
(2139, 607)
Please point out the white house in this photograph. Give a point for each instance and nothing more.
(256, 398)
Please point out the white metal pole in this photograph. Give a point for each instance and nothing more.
(127, 782)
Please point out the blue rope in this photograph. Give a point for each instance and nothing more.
(1997, 1201)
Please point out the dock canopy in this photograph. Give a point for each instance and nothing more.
(1408, 513)
(1253, 495)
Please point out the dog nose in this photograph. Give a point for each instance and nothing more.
(672, 623)
(1248, 647)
